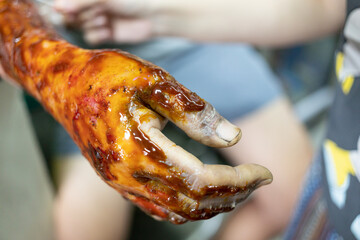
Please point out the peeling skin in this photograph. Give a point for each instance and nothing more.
(114, 105)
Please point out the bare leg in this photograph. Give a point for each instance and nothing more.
(86, 208)
(274, 138)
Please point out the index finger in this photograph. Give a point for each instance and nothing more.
(196, 117)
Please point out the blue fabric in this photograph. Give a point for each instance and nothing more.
(234, 78)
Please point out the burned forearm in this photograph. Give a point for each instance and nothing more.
(114, 105)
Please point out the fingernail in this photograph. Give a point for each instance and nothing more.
(228, 132)
(264, 182)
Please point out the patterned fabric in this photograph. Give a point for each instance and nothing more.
(341, 156)
(310, 221)
(330, 206)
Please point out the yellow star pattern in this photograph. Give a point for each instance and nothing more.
(341, 160)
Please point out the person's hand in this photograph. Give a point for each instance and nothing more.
(116, 109)
(121, 21)
(114, 106)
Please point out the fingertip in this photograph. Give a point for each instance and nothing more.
(265, 182)
(210, 128)
(228, 132)
(255, 173)
(267, 178)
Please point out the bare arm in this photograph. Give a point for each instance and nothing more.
(260, 22)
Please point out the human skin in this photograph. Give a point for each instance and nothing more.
(114, 106)
(76, 219)
(253, 22)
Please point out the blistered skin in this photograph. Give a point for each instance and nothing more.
(114, 105)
